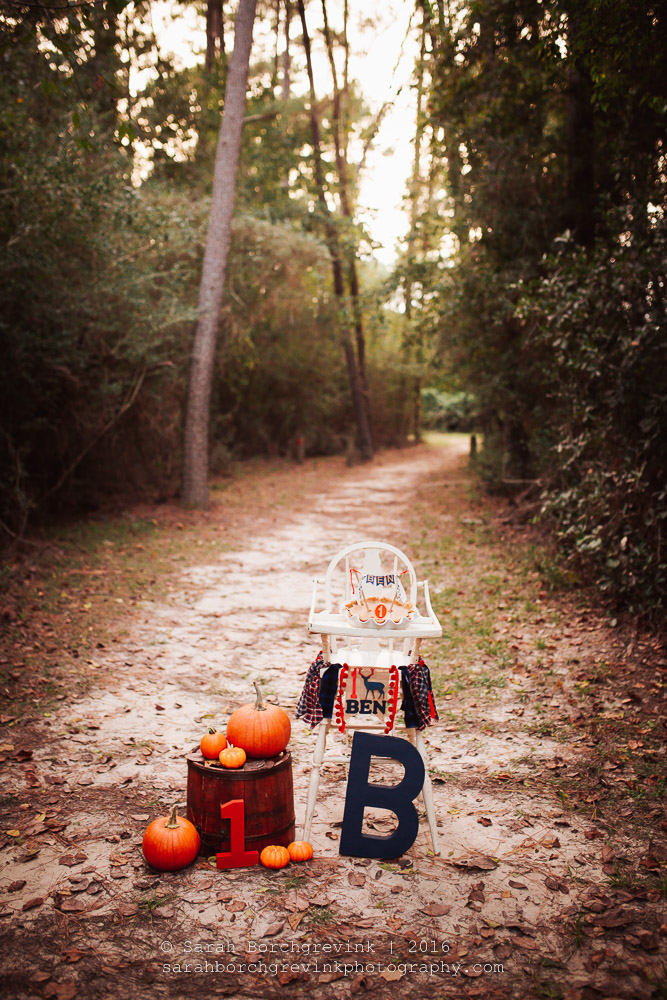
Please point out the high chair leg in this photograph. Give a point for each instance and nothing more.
(417, 740)
(318, 757)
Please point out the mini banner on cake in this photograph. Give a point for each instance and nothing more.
(398, 799)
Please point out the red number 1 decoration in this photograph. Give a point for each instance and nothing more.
(238, 857)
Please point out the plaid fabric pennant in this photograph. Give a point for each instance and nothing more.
(316, 701)
(418, 703)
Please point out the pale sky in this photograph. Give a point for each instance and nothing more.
(382, 60)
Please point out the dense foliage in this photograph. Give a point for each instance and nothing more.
(549, 118)
(99, 272)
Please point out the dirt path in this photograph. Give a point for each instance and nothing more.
(547, 764)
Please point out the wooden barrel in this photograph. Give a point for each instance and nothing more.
(266, 789)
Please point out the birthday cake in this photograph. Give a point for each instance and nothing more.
(378, 597)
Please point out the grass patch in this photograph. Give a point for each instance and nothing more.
(318, 916)
(151, 903)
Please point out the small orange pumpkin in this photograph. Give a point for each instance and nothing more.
(232, 756)
(212, 743)
(170, 842)
(300, 850)
(262, 730)
(274, 856)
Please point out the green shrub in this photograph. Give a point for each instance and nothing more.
(448, 411)
(602, 317)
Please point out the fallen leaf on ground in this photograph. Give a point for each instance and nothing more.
(284, 978)
(435, 909)
(69, 860)
(273, 929)
(74, 904)
(30, 904)
(295, 902)
(320, 899)
(614, 918)
(391, 975)
(40, 977)
(295, 919)
(478, 862)
(524, 942)
(73, 955)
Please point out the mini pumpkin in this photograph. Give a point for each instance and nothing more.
(262, 730)
(300, 850)
(274, 856)
(212, 743)
(170, 842)
(232, 756)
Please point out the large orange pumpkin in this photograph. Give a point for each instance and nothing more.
(262, 730)
(170, 842)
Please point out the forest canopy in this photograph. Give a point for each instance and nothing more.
(527, 301)
(549, 120)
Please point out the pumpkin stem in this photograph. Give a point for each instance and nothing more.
(172, 823)
(212, 730)
(259, 704)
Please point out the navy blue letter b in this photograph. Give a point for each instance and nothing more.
(396, 798)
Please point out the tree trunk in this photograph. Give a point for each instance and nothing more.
(581, 144)
(346, 80)
(340, 146)
(331, 236)
(276, 54)
(210, 38)
(287, 57)
(411, 408)
(214, 32)
(195, 457)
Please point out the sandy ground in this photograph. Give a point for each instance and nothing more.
(525, 899)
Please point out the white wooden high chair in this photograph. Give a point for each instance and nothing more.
(370, 623)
